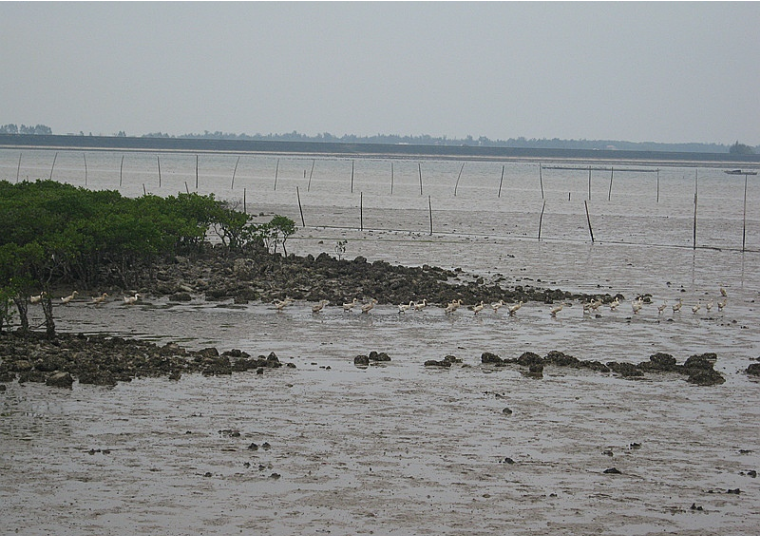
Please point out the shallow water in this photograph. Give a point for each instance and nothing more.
(398, 448)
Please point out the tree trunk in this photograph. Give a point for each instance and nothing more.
(23, 308)
(47, 309)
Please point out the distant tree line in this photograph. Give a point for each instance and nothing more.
(10, 128)
(425, 139)
(483, 141)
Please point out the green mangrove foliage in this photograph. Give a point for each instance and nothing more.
(53, 233)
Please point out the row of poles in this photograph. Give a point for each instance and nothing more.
(589, 169)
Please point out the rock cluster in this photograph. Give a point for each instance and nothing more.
(103, 360)
(698, 368)
(255, 274)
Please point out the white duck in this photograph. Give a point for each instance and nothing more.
(67, 299)
(366, 308)
(404, 307)
(514, 309)
(282, 304)
(131, 300)
(349, 306)
(97, 300)
(316, 308)
(421, 305)
(38, 298)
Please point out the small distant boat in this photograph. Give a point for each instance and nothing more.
(740, 172)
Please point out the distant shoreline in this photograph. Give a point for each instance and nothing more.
(42, 141)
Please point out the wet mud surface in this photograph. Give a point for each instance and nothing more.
(325, 445)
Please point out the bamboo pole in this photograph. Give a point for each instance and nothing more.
(361, 217)
(158, 164)
(430, 217)
(541, 216)
(610, 188)
(589, 222)
(121, 172)
(196, 172)
(420, 174)
(84, 157)
(144, 192)
(311, 171)
(745, 206)
(458, 179)
(695, 215)
(541, 185)
(187, 190)
(52, 166)
(18, 169)
(499, 193)
(657, 185)
(277, 169)
(235, 170)
(301, 211)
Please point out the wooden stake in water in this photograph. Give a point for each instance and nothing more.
(657, 185)
(499, 193)
(352, 177)
(610, 188)
(298, 198)
(695, 215)
(158, 165)
(458, 179)
(420, 174)
(430, 217)
(144, 192)
(541, 216)
(52, 166)
(18, 169)
(361, 219)
(196, 172)
(187, 190)
(392, 178)
(541, 185)
(311, 171)
(235, 170)
(84, 157)
(277, 169)
(121, 172)
(745, 205)
(589, 223)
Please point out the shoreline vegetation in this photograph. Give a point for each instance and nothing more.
(560, 150)
(57, 239)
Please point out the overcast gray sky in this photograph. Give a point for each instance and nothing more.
(664, 72)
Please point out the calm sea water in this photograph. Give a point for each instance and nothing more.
(639, 203)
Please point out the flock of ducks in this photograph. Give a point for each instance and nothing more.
(96, 300)
(590, 307)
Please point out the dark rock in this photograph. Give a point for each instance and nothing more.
(612, 471)
(60, 379)
(752, 369)
(433, 363)
(378, 356)
(626, 370)
(488, 357)
(362, 360)
(705, 377)
(529, 358)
